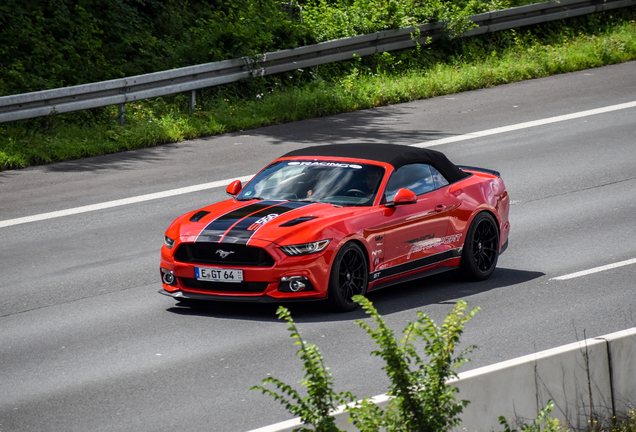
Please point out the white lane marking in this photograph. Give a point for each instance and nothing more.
(119, 202)
(596, 270)
(525, 125)
(204, 186)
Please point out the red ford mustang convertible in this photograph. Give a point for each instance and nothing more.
(334, 221)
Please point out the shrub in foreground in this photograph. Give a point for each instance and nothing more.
(421, 398)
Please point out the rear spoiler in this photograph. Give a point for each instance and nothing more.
(484, 170)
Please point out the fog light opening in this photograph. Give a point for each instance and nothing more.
(168, 277)
(296, 286)
(295, 283)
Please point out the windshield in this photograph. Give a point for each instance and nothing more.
(337, 183)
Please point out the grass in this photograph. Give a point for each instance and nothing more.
(441, 68)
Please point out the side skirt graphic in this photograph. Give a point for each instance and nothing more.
(421, 263)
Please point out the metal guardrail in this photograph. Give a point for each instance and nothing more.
(189, 79)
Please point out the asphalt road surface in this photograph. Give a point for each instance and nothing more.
(87, 343)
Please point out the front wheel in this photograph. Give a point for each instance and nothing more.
(481, 249)
(349, 277)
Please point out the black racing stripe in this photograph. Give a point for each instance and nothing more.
(214, 231)
(415, 264)
(240, 233)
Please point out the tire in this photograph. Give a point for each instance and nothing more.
(349, 277)
(481, 248)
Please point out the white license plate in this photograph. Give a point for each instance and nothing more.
(218, 275)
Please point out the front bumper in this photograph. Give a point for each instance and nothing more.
(260, 283)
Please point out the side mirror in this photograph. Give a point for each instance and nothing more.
(234, 188)
(403, 196)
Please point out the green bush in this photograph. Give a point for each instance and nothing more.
(421, 398)
(51, 44)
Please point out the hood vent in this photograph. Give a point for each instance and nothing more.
(199, 215)
(297, 221)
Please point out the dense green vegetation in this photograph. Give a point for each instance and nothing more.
(51, 44)
(159, 35)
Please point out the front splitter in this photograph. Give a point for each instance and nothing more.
(180, 295)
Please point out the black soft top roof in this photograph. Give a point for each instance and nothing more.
(393, 154)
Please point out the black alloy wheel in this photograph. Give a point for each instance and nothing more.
(481, 249)
(349, 277)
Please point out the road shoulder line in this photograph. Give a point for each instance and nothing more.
(595, 270)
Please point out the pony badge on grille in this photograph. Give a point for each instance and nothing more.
(223, 253)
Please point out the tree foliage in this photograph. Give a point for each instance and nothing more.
(47, 44)
(56, 43)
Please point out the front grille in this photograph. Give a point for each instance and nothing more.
(235, 254)
(242, 287)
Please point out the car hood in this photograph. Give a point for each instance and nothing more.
(241, 222)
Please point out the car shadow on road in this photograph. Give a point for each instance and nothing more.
(387, 124)
(442, 288)
(120, 161)
(379, 125)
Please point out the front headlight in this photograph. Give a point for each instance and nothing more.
(168, 242)
(305, 249)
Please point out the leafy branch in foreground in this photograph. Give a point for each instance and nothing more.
(315, 408)
(422, 398)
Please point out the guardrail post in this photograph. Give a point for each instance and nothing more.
(193, 100)
(121, 114)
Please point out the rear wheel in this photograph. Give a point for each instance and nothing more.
(481, 249)
(349, 276)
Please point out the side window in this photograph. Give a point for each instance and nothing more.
(440, 180)
(420, 178)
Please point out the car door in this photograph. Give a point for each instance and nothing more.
(416, 234)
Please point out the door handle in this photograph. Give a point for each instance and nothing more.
(440, 208)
